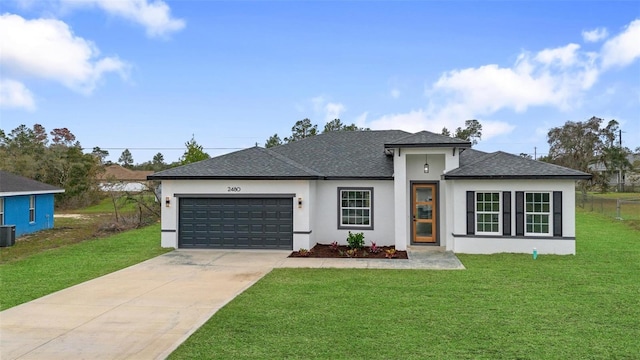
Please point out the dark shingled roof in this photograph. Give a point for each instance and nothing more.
(340, 154)
(345, 154)
(469, 156)
(427, 139)
(359, 155)
(11, 183)
(255, 162)
(501, 165)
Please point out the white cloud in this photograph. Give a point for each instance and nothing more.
(333, 111)
(48, 49)
(622, 49)
(395, 93)
(594, 35)
(154, 16)
(13, 94)
(563, 56)
(552, 77)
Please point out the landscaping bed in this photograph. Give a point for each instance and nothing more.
(342, 251)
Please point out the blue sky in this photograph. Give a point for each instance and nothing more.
(147, 74)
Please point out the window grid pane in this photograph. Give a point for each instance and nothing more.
(488, 212)
(32, 208)
(537, 213)
(355, 207)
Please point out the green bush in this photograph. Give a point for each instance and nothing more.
(355, 241)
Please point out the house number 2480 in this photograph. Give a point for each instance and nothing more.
(234, 189)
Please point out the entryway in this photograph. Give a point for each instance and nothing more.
(424, 205)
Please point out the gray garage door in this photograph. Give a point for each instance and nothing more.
(236, 223)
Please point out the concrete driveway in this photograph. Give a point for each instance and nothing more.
(141, 312)
(147, 310)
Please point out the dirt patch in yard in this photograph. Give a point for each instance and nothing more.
(342, 251)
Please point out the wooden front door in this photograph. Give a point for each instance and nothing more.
(423, 213)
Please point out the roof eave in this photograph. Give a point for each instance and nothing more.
(358, 178)
(27, 192)
(516, 177)
(214, 177)
(429, 145)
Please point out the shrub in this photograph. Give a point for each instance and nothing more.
(334, 246)
(374, 249)
(355, 241)
(304, 252)
(390, 253)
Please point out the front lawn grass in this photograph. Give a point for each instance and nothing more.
(47, 271)
(505, 306)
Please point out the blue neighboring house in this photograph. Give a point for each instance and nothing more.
(26, 203)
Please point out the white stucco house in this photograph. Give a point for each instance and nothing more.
(397, 188)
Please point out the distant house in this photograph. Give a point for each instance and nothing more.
(623, 180)
(118, 178)
(397, 188)
(26, 203)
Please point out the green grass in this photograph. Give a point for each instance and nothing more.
(50, 270)
(106, 206)
(505, 306)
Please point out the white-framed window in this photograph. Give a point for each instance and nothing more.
(32, 208)
(1, 211)
(537, 213)
(355, 208)
(488, 212)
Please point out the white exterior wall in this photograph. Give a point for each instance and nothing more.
(327, 209)
(484, 245)
(301, 215)
(409, 167)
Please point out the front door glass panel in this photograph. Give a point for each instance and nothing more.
(423, 213)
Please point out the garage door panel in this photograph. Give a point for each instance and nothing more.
(237, 223)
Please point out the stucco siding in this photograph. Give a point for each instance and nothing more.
(408, 168)
(16, 212)
(326, 212)
(458, 241)
(303, 234)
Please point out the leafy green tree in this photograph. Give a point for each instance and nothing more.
(100, 154)
(333, 125)
(302, 129)
(61, 162)
(588, 147)
(472, 131)
(194, 152)
(337, 125)
(273, 140)
(158, 162)
(126, 159)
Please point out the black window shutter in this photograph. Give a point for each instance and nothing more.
(506, 213)
(557, 213)
(471, 213)
(519, 213)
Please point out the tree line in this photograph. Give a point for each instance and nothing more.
(57, 158)
(54, 158)
(305, 128)
(591, 146)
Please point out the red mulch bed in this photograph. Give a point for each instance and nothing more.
(326, 251)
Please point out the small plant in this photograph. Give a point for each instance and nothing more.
(352, 252)
(390, 253)
(334, 246)
(341, 253)
(304, 252)
(355, 241)
(374, 249)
